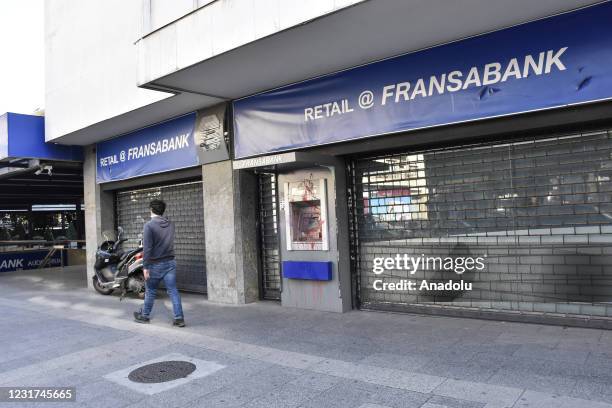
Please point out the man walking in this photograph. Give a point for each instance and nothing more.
(159, 263)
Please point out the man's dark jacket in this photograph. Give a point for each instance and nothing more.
(158, 241)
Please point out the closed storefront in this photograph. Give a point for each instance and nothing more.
(184, 209)
(162, 162)
(464, 179)
(527, 223)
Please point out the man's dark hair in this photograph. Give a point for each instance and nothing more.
(158, 207)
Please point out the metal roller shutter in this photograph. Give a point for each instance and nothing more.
(269, 244)
(539, 211)
(185, 208)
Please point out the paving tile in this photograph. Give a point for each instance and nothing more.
(94, 389)
(536, 382)
(273, 377)
(105, 401)
(291, 359)
(17, 362)
(184, 395)
(453, 402)
(288, 395)
(433, 405)
(479, 392)
(468, 371)
(534, 399)
(316, 381)
(227, 398)
(379, 375)
(399, 361)
(542, 352)
(393, 397)
(597, 390)
(347, 394)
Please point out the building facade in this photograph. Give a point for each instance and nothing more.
(448, 158)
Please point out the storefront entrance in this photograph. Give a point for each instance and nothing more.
(184, 207)
(537, 212)
(269, 241)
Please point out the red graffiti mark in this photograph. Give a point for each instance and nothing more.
(309, 192)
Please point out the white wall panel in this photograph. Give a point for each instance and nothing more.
(91, 63)
(166, 11)
(225, 25)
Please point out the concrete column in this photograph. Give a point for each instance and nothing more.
(230, 224)
(99, 210)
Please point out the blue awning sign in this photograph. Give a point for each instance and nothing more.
(159, 148)
(23, 137)
(550, 63)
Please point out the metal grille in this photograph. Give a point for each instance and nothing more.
(269, 240)
(185, 208)
(539, 211)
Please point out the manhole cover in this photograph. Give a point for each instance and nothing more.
(162, 372)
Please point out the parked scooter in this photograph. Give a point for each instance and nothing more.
(119, 269)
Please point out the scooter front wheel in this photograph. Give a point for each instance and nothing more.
(101, 289)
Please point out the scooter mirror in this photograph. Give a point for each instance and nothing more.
(108, 235)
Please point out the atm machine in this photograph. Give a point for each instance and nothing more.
(315, 262)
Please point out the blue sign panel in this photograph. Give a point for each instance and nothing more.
(554, 62)
(23, 136)
(163, 147)
(13, 261)
(307, 270)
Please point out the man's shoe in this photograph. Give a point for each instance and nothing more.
(179, 322)
(139, 318)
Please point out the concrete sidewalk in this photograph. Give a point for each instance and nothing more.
(54, 331)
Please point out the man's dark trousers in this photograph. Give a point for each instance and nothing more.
(162, 271)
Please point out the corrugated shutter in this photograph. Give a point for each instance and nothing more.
(185, 208)
(538, 210)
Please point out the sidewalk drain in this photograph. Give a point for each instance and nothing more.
(163, 371)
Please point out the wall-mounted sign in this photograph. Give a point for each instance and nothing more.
(306, 215)
(23, 136)
(187, 141)
(162, 147)
(14, 261)
(308, 270)
(265, 161)
(550, 63)
(210, 135)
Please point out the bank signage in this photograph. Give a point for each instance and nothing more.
(23, 136)
(159, 148)
(13, 261)
(550, 63)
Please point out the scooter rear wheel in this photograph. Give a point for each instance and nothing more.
(101, 289)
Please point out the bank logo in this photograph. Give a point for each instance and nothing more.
(209, 133)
